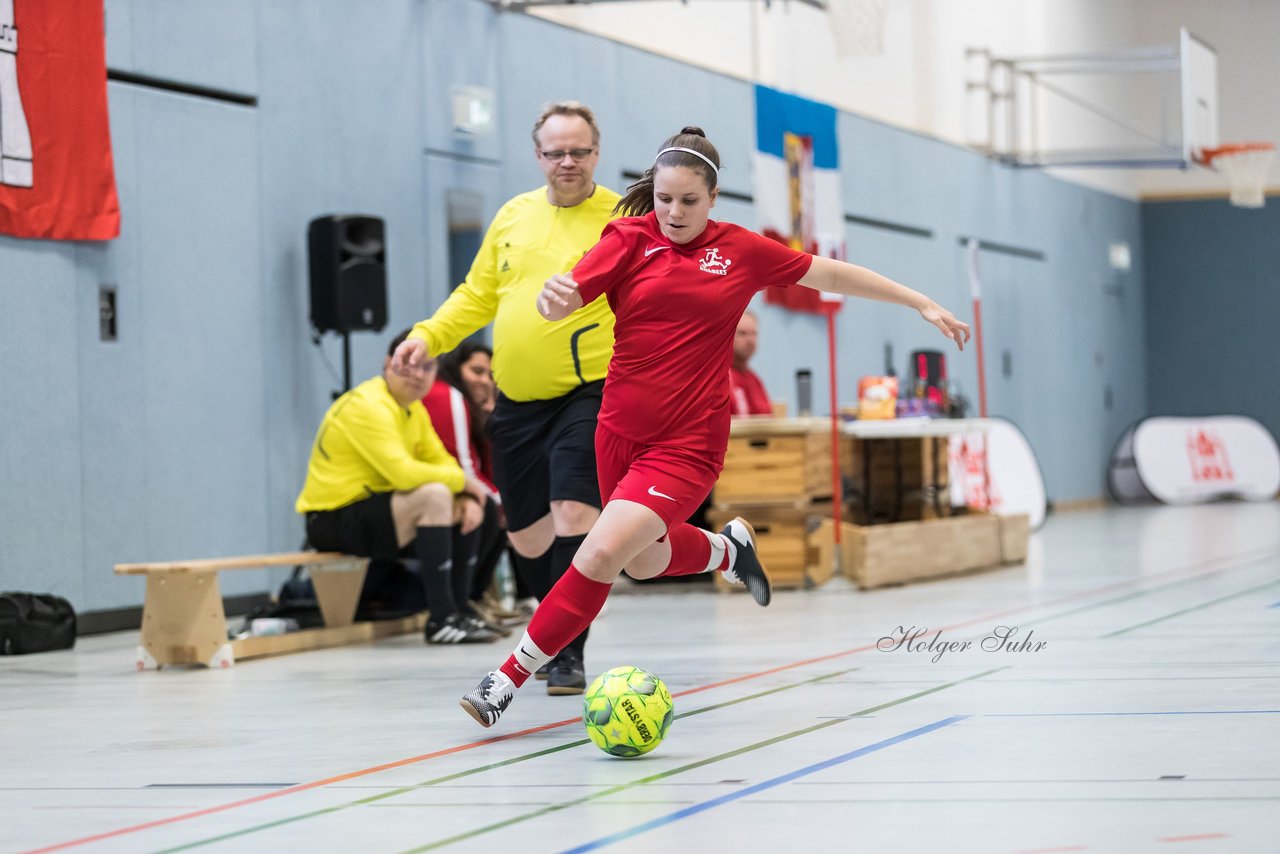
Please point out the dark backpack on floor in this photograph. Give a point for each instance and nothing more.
(35, 622)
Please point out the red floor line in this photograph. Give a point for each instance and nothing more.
(1194, 838)
(328, 781)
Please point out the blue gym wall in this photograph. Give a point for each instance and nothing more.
(1214, 297)
(189, 435)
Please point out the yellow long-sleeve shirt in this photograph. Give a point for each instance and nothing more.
(528, 241)
(369, 443)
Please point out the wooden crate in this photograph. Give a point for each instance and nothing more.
(897, 480)
(782, 537)
(881, 555)
(1014, 533)
(763, 468)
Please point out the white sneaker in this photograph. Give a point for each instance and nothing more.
(489, 699)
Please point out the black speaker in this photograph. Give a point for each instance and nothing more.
(348, 263)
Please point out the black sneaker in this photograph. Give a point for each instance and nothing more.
(476, 618)
(458, 628)
(566, 675)
(745, 567)
(543, 672)
(489, 699)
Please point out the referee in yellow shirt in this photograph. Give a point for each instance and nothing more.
(549, 375)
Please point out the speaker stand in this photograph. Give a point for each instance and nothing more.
(346, 362)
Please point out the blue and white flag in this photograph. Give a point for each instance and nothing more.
(796, 181)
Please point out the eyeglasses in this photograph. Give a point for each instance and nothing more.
(578, 154)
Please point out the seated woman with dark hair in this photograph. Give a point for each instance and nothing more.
(459, 404)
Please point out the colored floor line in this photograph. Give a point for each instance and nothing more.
(1237, 563)
(1032, 606)
(710, 760)
(373, 799)
(669, 818)
(1127, 714)
(1201, 606)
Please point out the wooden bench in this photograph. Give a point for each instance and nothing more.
(183, 621)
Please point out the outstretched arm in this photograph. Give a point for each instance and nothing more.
(838, 277)
(559, 297)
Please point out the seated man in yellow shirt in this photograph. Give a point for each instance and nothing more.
(379, 480)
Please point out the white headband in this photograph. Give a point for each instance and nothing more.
(714, 168)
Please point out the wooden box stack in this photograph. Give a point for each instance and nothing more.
(777, 475)
(898, 480)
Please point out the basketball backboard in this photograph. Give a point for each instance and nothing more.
(1199, 70)
(1137, 108)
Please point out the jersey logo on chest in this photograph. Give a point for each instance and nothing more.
(715, 263)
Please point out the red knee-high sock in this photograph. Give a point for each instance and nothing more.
(691, 551)
(574, 601)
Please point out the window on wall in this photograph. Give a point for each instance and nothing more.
(464, 209)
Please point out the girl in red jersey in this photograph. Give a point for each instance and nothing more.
(677, 283)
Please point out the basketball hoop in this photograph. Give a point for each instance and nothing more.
(1246, 165)
(858, 26)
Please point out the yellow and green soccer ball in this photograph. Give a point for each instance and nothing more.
(627, 711)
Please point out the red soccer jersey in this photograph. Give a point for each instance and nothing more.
(746, 393)
(677, 308)
(451, 420)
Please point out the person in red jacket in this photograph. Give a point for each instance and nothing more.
(677, 282)
(746, 390)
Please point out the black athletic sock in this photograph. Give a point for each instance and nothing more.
(434, 547)
(523, 588)
(492, 541)
(465, 553)
(536, 572)
(562, 553)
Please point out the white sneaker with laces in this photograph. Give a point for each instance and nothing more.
(489, 699)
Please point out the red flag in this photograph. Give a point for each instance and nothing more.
(57, 180)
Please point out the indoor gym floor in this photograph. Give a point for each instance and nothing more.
(1149, 721)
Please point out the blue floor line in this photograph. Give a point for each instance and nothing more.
(759, 787)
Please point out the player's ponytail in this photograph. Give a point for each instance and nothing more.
(689, 149)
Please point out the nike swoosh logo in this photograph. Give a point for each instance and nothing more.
(653, 491)
(653, 249)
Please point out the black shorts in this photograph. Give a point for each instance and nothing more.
(365, 528)
(544, 451)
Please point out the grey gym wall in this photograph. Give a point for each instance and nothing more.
(1213, 275)
(189, 435)
(1072, 325)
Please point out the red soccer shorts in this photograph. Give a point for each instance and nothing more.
(671, 481)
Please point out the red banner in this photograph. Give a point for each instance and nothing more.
(57, 180)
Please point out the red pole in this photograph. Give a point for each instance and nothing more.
(982, 371)
(837, 497)
(972, 247)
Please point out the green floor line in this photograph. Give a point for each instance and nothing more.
(1202, 605)
(372, 799)
(1242, 561)
(694, 765)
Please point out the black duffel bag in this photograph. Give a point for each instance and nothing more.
(35, 622)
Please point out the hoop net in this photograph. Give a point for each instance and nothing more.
(858, 26)
(1246, 165)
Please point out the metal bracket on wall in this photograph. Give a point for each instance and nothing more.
(522, 5)
(1015, 92)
